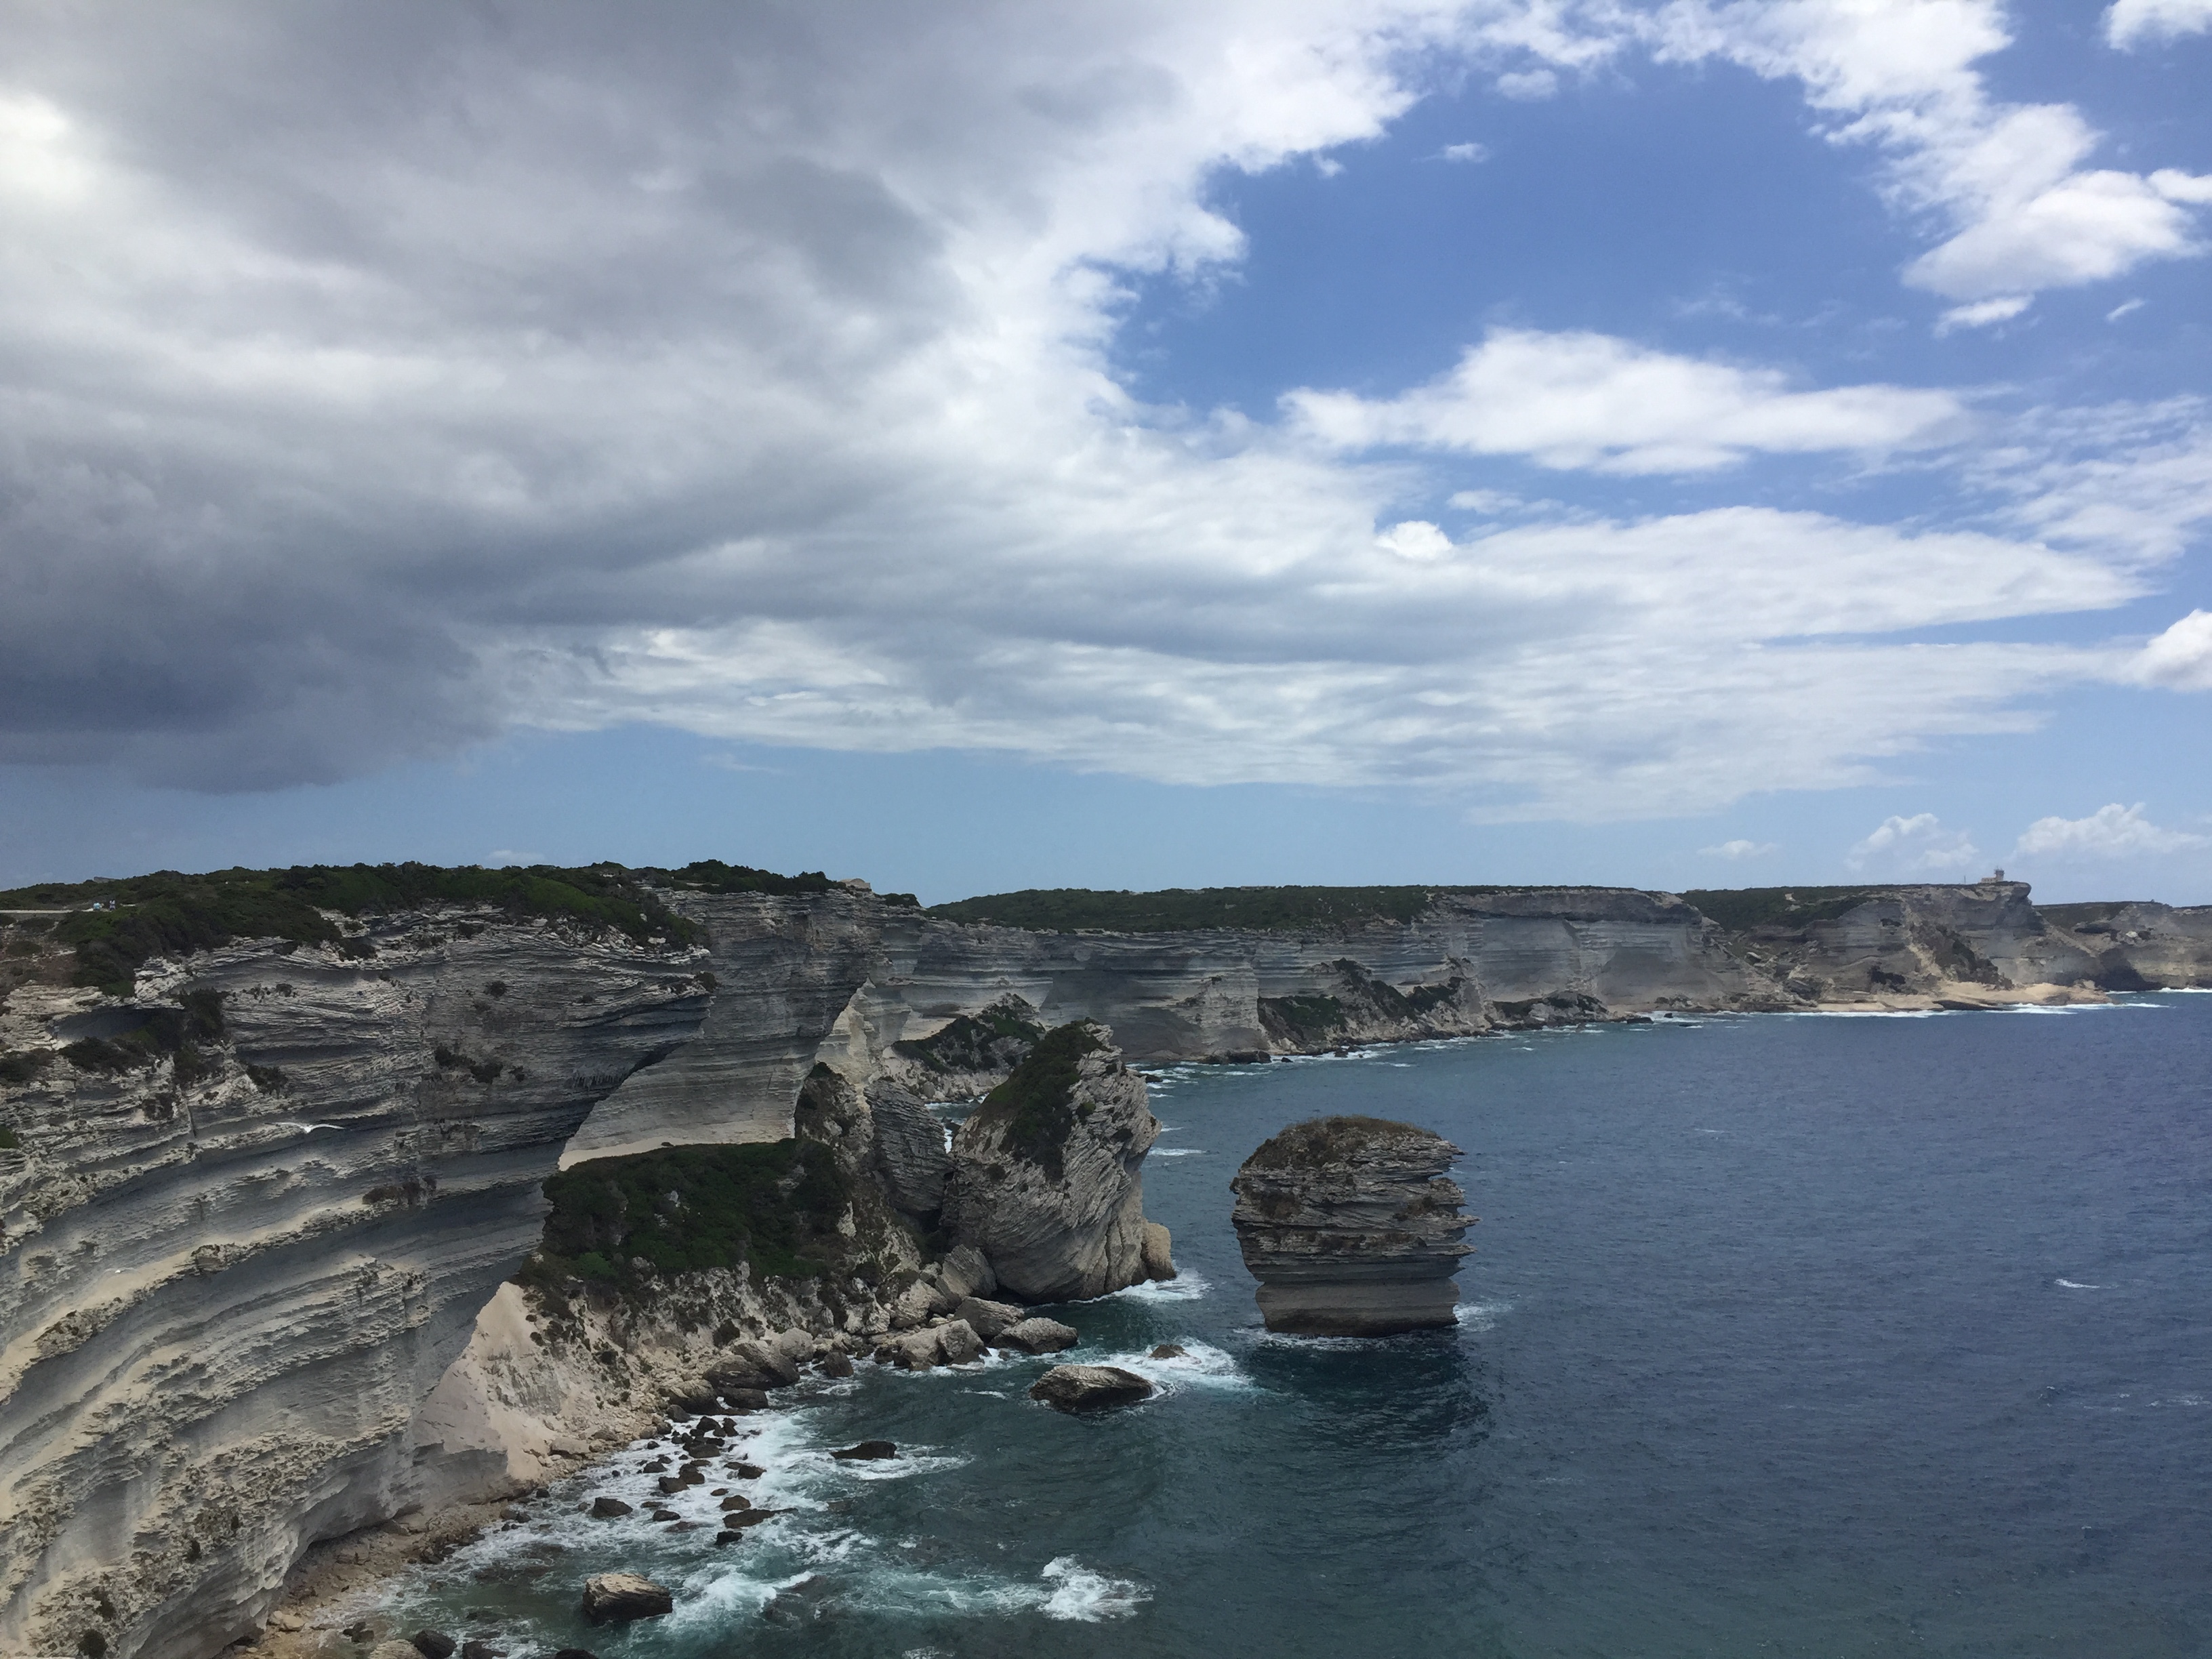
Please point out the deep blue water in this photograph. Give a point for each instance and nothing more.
(1785, 1336)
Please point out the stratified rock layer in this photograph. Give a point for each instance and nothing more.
(1351, 1228)
(1047, 1175)
(228, 1278)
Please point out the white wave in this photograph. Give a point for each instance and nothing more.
(2069, 1285)
(1178, 1151)
(1186, 1286)
(1079, 1593)
(1200, 1365)
(1481, 1315)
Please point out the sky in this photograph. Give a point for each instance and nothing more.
(977, 447)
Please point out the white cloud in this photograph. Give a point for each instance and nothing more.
(2129, 23)
(2109, 832)
(737, 372)
(1574, 400)
(1899, 74)
(1468, 152)
(2180, 658)
(1918, 845)
(2123, 309)
(1735, 851)
(1983, 313)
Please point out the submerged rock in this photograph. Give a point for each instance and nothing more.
(625, 1595)
(1088, 1387)
(866, 1451)
(1351, 1228)
(1047, 1180)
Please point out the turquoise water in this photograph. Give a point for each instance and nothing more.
(1785, 1335)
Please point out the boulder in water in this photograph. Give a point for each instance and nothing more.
(609, 1509)
(1039, 1335)
(1088, 1387)
(624, 1596)
(1352, 1227)
(1169, 1351)
(434, 1645)
(866, 1451)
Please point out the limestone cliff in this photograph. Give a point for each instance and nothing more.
(1047, 1175)
(2138, 946)
(255, 1206)
(1913, 945)
(1352, 1227)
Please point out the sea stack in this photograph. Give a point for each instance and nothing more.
(1048, 1174)
(1352, 1227)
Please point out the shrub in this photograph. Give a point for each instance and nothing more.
(170, 914)
(24, 1065)
(1035, 1107)
(685, 1208)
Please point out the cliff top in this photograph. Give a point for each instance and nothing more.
(1740, 909)
(1188, 909)
(117, 924)
(1325, 1141)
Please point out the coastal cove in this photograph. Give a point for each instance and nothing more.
(1784, 1333)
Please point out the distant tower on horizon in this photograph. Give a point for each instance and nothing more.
(1987, 880)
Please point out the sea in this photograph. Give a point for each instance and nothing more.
(1834, 1335)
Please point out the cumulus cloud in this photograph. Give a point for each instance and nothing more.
(2130, 23)
(2180, 657)
(1735, 851)
(1576, 400)
(1918, 845)
(445, 370)
(2025, 212)
(2109, 832)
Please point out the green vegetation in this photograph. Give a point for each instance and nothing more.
(1740, 909)
(24, 1067)
(999, 1036)
(168, 914)
(1328, 1140)
(175, 1033)
(1034, 1108)
(713, 876)
(1072, 909)
(1309, 1019)
(685, 1208)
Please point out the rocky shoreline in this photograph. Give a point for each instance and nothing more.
(274, 1144)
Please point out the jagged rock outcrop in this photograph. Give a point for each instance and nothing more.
(1047, 1173)
(256, 1209)
(1352, 1227)
(969, 1054)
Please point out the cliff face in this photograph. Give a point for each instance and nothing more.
(1352, 1227)
(1932, 941)
(2137, 946)
(785, 967)
(252, 1220)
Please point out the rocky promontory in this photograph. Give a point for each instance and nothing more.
(1047, 1175)
(1352, 1227)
